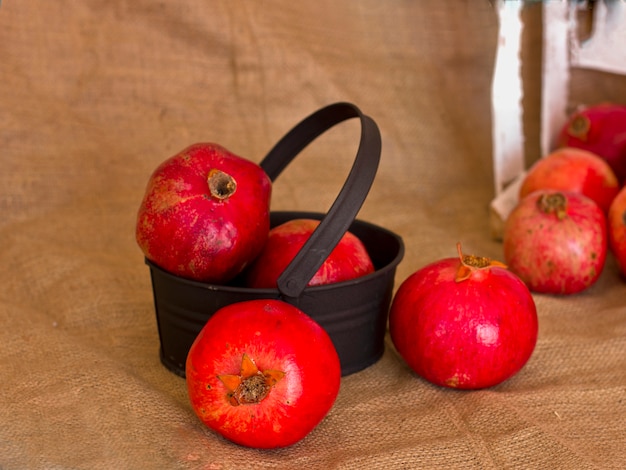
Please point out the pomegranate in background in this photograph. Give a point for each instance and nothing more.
(556, 241)
(572, 169)
(617, 229)
(600, 129)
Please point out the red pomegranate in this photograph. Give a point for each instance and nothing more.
(464, 322)
(262, 373)
(572, 169)
(205, 214)
(348, 260)
(617, 229)
(556, 241)
(600, 129)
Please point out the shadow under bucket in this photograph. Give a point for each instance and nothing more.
(353, 313)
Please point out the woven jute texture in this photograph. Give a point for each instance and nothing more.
(95, 94)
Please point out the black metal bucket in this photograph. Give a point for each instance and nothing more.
(354, 313)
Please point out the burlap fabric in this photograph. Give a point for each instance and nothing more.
(95, 94)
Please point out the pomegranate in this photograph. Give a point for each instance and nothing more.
(205, 214)
(465, 322)
(572, 169)
(262, 373)
(617, 229)
(556, 241)
(348, 260)
(600, 129)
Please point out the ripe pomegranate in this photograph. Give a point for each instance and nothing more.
(617, 229)
(556, 241)
(348, 260)
(464, 322)
(572, 169)
(262, 373)
(600, 129)
(205, 214)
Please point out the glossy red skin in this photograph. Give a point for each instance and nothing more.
(617, 229)
(552, 255)
(572, 169)
(606, 135)
(348, 260)
(470, 334)
(277, 336)
(189, 233)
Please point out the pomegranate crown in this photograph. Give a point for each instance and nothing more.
(470, 263)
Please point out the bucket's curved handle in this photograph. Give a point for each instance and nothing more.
(343, 211)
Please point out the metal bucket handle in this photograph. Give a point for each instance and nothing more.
(344, 209)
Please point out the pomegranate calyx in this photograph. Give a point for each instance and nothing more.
(221, 185)
(579, 127)
(470, 263)
(553, 203)
(251, 386)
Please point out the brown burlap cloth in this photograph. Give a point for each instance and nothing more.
(95, 94)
